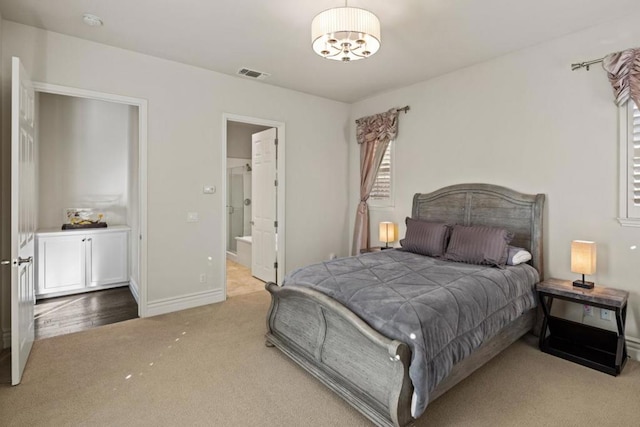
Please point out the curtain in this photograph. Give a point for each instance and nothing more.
(373, 134)
(623, 70)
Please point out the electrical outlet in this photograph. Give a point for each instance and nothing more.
(588, 310)
(203, 278)
(605, 314)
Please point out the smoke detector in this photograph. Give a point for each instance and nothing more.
(253, 74)
(92, 20)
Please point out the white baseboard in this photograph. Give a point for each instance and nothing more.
(6, 338)
(633, 348)
(197, 299)
(133, 287)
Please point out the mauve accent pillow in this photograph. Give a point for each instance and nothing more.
(478, 245)
(425, 238)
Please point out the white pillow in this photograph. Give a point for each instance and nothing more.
(517, 256)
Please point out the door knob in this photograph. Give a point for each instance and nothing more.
(5, 262)
(24, 260)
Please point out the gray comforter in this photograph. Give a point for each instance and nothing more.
(442, 310)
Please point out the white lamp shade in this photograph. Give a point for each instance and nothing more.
(345, 34)
(583, 257)
(387, 232)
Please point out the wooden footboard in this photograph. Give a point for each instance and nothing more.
(368, 370)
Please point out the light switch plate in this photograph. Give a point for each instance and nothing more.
(209, 189)
(192, 217)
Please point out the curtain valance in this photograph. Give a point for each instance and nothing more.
(623, 70)
(377, 127)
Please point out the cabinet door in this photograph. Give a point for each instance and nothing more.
(60, 263)
(107, 258)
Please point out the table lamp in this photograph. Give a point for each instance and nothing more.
(583, 261)
(387, 233)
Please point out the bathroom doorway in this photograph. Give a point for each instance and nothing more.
(240, 198)
(239, 210)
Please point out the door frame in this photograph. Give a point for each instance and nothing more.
(280, 191)
(142, 105)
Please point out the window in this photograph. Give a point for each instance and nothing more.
(630, 165)
(382, 191)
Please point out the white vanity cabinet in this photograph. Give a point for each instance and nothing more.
(79, 260)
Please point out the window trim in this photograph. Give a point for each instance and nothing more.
(628, 213)
(389, 203)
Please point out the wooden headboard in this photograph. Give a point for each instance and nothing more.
(491, 205)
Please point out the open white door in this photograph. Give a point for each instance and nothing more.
(22, 218)
(263, 191)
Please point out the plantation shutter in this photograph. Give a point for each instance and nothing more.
(382, 185)
(635, 140)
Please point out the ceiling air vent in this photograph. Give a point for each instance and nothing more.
(253, 73)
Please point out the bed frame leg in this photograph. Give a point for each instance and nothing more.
(268, 344)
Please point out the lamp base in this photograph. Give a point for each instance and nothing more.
(583, 284)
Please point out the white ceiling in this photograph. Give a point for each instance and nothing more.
(420, 38)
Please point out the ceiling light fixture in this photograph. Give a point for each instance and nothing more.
(345, 34)
(92, 20)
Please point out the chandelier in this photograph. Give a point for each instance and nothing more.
(345, 34)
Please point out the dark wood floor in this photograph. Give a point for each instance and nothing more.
(74, 313)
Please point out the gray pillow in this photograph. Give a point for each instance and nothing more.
(478, 245)
(425, 238)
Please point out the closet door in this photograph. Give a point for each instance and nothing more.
(107, 261)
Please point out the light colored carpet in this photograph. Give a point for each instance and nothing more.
(209, 366)
(240, 281)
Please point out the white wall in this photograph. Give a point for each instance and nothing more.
(84, 150)
(133, 205)
(186, 106)
(524, 121)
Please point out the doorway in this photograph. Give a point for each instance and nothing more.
(24, 215)
(91, 159)
(244, 201)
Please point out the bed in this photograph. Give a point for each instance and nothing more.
(365, 367)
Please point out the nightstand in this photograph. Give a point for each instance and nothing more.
(587, 345)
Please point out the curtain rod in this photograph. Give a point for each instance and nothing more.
(585, 64)
(405, 109)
